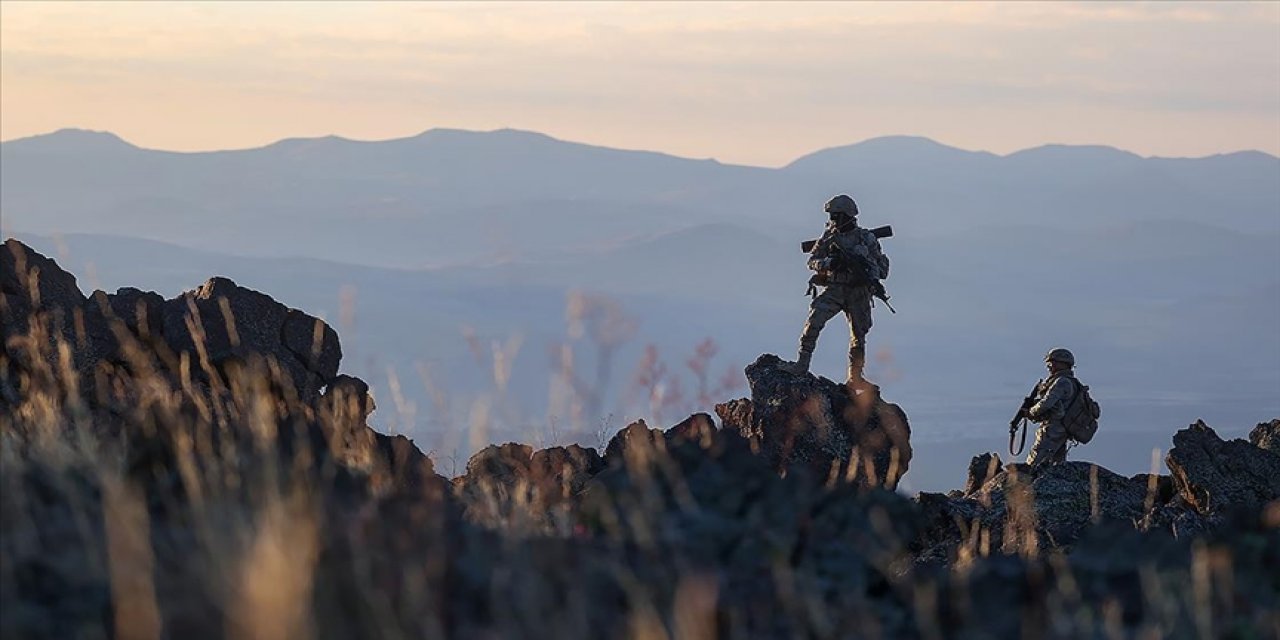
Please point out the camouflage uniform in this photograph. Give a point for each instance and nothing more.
(1054, 394)
(845, 290)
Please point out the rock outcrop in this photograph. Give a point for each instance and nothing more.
(827, 428)
(1213, 475)
(136, 358)
(1015, 510)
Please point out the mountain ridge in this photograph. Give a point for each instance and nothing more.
(896, 142)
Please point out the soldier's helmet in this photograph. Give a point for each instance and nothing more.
(842, 204)
(1060, 355)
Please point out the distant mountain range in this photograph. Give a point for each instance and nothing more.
(512, 193)
(1161, 274)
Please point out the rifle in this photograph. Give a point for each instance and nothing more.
(877, 290)
(879, 232)
(1021, 418)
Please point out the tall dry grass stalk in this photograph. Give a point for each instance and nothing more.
(273, 578)
(133, 594)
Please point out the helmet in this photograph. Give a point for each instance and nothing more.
(842, 204)
(1060, 355)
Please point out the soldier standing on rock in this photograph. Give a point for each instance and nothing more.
(1052, 397)
(849, 265)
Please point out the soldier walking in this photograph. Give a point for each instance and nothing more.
(849, 266)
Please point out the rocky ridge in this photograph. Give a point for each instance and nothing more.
(159, 458)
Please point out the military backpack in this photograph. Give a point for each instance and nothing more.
(1081, 415)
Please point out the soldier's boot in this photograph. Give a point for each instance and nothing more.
(857, 361)
(801, 365)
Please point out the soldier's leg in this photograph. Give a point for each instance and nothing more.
(1050, 446)
(858, 312)
(822, 309)
(857, 349)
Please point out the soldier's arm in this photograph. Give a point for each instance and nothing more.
(820, 257)
(1057, 394)
(880, 259)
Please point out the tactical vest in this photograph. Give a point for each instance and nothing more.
(851, 269)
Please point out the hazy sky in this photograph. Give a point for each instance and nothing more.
(750, 83)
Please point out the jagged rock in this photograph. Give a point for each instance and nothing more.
(1266, 436)
(1178, 518)
(314, 343)
(634, 437)
(720, 507)
(403, 463)
(1160, 489)
(390, 461)
(32, 281)
(699, 428)
(1070, 496)
(40, 307)
(1015, 509)
(504, 464)
(515, 472)
(223, 321)
(1213, 475)
(981, 469)
(799, 419)
(564, 470)
(142, 312)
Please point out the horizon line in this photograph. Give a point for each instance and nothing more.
(341, 138)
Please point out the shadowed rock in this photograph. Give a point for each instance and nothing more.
(1018, 511)
(221, 320)
(1213, 475)
(31, 281)
(981, 469)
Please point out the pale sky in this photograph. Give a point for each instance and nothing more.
(753, 83)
